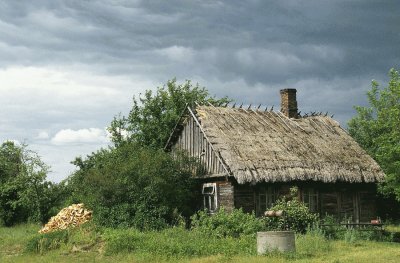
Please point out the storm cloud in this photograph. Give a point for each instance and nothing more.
(67, 67)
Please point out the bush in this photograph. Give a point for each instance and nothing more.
(226, 224)
(132, 186)
(297, 216)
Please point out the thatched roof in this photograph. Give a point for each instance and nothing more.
(259, 146)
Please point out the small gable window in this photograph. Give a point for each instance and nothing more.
(210, 197)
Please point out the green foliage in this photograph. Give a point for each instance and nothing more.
(135, 183)
(356, 235)
(226, 224)
(89, 243)
(154, 116)
(122, 241)
(313, 242)
(376, 129)
(132, 186)
(24, 192)
(331, 230)
(42, 243)
(176, 243)
(296, 217)
(81, 238)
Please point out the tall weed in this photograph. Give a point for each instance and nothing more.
(312, 243)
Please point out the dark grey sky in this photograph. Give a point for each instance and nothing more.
(67, 67)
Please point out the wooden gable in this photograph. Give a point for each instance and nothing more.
(189, 137)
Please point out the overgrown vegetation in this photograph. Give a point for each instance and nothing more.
(89, 243)
(296, 215)
(134, 183)
(46, 242)
(132, 186)
(83, 238)
(376, 129)
(25, 195)
(177, 243)
(226, 224)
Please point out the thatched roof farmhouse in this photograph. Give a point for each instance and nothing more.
(253, 156)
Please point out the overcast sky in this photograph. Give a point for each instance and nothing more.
(67, 67)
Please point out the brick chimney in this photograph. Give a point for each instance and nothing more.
(289, 103)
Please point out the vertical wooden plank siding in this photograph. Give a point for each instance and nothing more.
(367, 206)
(244, 198)
(225, 195)
(329, 203)
(354, 203)
(195, 144)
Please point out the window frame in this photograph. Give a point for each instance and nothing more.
(267, 196)
(310, 197)
(210, 199)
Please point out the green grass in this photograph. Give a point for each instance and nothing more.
(91, 244)
(393, 228)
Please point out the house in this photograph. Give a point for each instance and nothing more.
(251, 157)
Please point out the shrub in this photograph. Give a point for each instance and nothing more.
(226, 224)
(297, 216)
(132, 186)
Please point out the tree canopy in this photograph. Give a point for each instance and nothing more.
(25, 195)
(154, 115)
(377, 129)
(134, 182)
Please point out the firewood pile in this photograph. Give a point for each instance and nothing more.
(70, 216)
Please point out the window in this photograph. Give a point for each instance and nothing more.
(266, 199)
(310, 198)
(210, 197)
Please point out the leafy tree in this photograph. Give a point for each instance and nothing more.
(153, 116)
(134, 182)
(24, 192)
(133, 186)
(10, 166)
(377, 129)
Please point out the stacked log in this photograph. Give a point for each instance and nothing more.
(70, 216)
